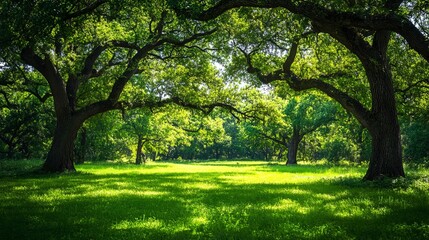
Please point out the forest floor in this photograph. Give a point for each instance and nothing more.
(210, 200)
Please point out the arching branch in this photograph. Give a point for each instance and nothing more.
(46, 67)
(264, 78)
(385, 20)
(290, 58)
(350, 104)
(88, 9)
(282, 142)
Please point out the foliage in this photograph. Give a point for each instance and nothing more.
(416, 141)
(129, 54)
(98, 139)
(159, 131)
(25, 115)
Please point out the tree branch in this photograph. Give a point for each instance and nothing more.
(387, 20)
(132, 67)
(8, 103)
(106, 105)
(185, 41)
(353, 40)
(88, 71)
(362, 114)
(419, 83)
(43, 98)
(56, 83)
(160, 25)
(266, 79)
(298, 84)
(283, 143)
(328, 119)
(91, 59)
(187, 129)
(90, 8)
(290, 58)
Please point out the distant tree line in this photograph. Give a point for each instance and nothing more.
(325, 132)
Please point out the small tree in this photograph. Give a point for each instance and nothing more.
(301, 116)
(157, 131)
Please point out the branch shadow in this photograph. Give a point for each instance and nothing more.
(206, 205)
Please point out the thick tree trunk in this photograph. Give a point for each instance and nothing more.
(293, 148)
(60, 156)
(291, 154)
(382, 121)
(386, 155)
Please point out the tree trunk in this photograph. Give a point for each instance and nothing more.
(382, 121)
(139, 150)
(386, 155)
(293, 148)
(81, 150)
(144, 157)
(360, 144)
(60, 156)
(10, 150)
(217, 152)
(266, 153)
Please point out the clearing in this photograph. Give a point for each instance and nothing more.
(211, 200)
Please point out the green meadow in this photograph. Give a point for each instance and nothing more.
(210, 200)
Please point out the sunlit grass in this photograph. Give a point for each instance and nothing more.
(212, 200)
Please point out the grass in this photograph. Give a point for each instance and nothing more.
(210, 200)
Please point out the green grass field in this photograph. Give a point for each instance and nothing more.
(210, 200)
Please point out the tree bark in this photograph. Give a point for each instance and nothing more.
(139, 150)
(60, 155)
(293, 147)
(386, 155)
(80, 152)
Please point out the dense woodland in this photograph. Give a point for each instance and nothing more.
(166, 80)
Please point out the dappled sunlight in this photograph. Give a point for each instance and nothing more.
(52, 196)
(199, 220)
(326, 197)
(353, 209)
(252, 177)
(297, 191)
(211, 201)
(118, 193)
(145, 223)
(201, 185)
(288, 205)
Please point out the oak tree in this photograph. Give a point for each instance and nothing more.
(364, 28)
(92, 55)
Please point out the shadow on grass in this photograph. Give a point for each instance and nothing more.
(206, 205)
